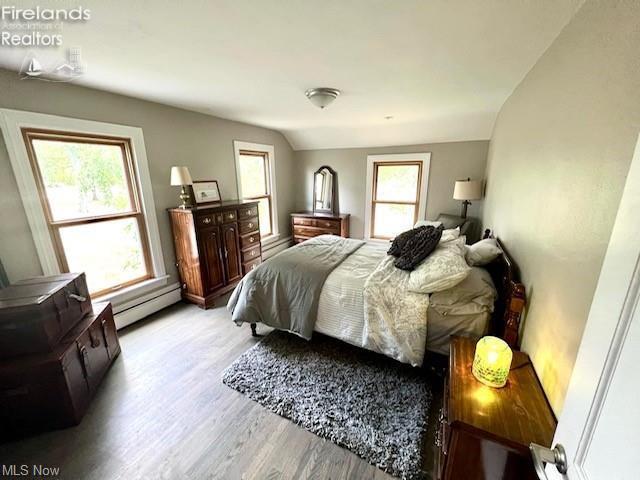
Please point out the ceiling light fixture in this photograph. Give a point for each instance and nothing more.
(322, 97)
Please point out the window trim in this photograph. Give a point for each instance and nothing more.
(269, 150)
(12, 122)
(136, 213)
(425, 160)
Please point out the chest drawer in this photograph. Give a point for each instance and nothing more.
(247, 267)
(248, 226)
(249, 240)
(247, 212)
(251, 254)
(206, 220)
(230, 216)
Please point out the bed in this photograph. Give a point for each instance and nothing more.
(340, 309)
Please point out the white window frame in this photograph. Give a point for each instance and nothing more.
(424, 158)
(238, 146)
(12, 122)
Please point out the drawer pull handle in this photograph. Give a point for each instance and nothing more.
(232, 216)
(250, 225)
(78, 298)
(251, 239)
(206, 221)
(327, 224)
(249, 212)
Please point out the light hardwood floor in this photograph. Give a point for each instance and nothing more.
(162, 412)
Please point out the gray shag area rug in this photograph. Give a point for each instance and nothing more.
(367, 403)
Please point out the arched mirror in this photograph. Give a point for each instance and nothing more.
(324, 198)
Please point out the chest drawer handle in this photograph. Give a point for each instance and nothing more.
(250, 225)
(232, 216)
(249, 212)
(206, 221)
(251, 239)
(327, 224)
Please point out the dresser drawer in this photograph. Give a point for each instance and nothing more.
(249, 240)
(328, 224)
(247, 267)
(312, 231)
(251, 254)
(303, 221)
(247, 212)
(206, 220)
(248, 226)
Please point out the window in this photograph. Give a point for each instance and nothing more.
(396, 193)
(91, 201)
(255, 172)
(82, 179)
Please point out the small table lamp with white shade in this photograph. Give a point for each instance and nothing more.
(466, 190)
(180, 176)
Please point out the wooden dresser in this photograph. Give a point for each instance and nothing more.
(306, 225)
(215, 246)
(485, 432)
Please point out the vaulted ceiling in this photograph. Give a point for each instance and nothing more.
(441, 68)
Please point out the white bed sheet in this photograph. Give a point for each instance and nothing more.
(341, 305)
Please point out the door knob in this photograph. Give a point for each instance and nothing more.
(543, 455)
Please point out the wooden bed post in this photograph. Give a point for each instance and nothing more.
(512, 314)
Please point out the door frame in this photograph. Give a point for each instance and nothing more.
(617, 295)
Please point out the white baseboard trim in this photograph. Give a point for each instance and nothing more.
(273, 248)
(134, 310)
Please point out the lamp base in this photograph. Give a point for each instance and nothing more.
(463, 213)
(184, 196)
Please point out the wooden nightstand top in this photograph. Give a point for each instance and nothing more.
(518, 413)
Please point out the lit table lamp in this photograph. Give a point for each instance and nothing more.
(492, 361)
(180, 176)
(466, 190)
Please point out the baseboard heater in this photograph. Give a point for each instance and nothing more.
(130, 312)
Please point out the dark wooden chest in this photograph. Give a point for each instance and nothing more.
(215, 245)
(53, 390)
(37, 312)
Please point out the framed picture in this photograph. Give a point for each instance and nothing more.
(206, 191)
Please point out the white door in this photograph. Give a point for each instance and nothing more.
(600, 423)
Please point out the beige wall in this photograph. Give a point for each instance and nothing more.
(558, 159)
(449, 162)
(172, 137)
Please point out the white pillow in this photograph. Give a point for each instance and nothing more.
(426, 223)
(450, 234)
(444, 268)
(483, 252)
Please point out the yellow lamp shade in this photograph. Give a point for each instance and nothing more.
(492, 361)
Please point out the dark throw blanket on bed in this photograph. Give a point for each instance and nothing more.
(284, 291)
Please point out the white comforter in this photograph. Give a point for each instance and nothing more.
(395, 319)
(364, 302)
(341, 310)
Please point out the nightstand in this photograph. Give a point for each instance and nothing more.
(485, 432)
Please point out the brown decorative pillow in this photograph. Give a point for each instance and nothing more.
(418, 247)
(400, 241)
